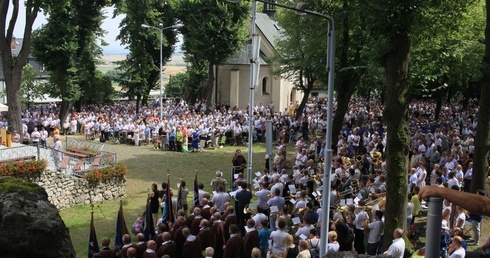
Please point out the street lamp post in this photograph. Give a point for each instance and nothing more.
(161, 29)
(330, 68)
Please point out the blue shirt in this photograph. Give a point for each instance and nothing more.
(264, 235)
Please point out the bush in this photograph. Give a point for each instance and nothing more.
(96, 175)
(23, 168)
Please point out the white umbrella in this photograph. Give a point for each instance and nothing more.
(3, 107)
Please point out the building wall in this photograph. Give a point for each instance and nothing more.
(3, 99)
(234, 88)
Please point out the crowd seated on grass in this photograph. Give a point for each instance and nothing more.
(441, 154)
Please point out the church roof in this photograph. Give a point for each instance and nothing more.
(270, 31)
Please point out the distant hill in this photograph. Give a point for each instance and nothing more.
(176, 60)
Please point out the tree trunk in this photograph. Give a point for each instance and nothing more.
(482, 138)
(209, 88)
(138, 103)
(12, 66)
(438, 106)
(347, 80)
(13, 79)
(397, 147)
(348, 86)
(304, 100)
(63, 111)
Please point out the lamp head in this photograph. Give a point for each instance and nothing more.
(234, 1)
(303, 7)
(178, 26)
(145, 26)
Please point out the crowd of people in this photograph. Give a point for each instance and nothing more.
(287, 215)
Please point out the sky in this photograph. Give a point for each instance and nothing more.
(110, 25)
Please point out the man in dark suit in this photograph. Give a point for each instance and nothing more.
(242, 198)
(168, 246)
(251, 239)
(106, 252)
(192, 247)
(234, 246)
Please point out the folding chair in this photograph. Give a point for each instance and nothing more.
(468, 228)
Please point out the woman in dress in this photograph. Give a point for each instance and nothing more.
(154, 202)
(196, 137)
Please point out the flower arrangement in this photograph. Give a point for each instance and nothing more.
(23, 168)
(96, 175)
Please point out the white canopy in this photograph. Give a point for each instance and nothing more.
(3, 107)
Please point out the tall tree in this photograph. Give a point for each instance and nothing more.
(482, 139)
(300, 56)
(212, 34)
(67, 45)
(12, 65)
(31, 85)
(395, 24)
(302, 50)
(140, 71)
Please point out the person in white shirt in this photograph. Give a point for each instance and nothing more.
(421, 175)
(413, 179)
(36, 136)
(44, 137)
(300, 202)
(277, 185)
(456, 245)
(278, 239)
(361, 216)
(375, 230)
(56, 153)
(259, 216)
(397, 248)
(263, 197)
(333, 245)
(452, 180)
(459, 174)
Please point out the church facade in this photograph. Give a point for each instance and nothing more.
(233, 78)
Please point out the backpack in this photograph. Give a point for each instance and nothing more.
(314, 250)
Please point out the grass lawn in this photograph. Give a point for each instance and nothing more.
(147, 166)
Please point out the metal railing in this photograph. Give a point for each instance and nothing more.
(60, 160)
(90, 146)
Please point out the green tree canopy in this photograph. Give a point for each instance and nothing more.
(140, 71)
(67, 45)
(211, 34)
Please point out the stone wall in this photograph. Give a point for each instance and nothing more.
(65, 191)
